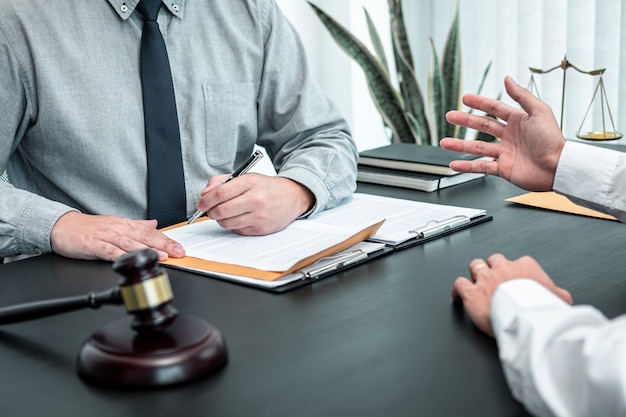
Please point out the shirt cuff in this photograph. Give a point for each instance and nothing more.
(36, 224)
(310, 181)
(580, 176)
(307, 213)
(515, 296)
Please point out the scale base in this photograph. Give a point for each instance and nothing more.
(116, 355)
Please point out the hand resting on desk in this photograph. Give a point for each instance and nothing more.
(85, 236)
(476, 294)
(254, 204)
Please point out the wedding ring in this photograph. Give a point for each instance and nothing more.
(479, 266)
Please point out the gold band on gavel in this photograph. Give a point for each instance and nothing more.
(147, 294)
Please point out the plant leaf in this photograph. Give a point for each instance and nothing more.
(385, 96)
(418, 128)
(451, 68)
(463, 130)
(378, 46)
(436, 93)
(411, 138)
(398, 29)
(409, 87)
(482, 80)
(412, 94)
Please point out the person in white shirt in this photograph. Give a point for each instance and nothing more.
(559, 359)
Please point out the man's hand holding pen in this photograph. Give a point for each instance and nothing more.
(254, 204)
(243, 168)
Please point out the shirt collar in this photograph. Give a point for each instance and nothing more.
(125, 8)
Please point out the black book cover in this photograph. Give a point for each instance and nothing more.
(412, 157)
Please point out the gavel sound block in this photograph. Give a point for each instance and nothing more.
(155, 346)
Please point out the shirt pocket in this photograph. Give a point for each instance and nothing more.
(230, 120)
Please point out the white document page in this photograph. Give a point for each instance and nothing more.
(401, 216)
(275, 252)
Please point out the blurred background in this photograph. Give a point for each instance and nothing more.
(513, 34)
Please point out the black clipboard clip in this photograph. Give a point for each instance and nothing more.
(342, 260)
(435, 227)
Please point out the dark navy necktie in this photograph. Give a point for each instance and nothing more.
(166, 182)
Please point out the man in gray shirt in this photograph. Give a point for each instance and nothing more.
(72, 132)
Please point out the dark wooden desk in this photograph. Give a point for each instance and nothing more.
(382, 339)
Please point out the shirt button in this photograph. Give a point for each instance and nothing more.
(124, 8)
(37, 251)
(175, 7)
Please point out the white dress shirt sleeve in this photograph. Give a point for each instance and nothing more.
(559, 360)
(593, 177)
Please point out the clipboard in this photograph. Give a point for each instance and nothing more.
(384, 249)
(407, 223)
(322, 269)
(445, 230)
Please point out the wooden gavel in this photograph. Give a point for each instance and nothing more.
(145, 291)
(158, 346)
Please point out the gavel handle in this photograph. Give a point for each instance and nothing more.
(39, 309)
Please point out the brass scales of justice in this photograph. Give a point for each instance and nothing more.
(592, 134)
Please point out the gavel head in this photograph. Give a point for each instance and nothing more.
(145, 290)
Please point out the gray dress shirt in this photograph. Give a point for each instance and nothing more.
(71, 120)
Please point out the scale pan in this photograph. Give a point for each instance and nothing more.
(599, 135)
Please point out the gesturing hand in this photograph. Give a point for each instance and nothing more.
(531, 141)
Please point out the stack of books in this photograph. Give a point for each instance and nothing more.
(419, 167)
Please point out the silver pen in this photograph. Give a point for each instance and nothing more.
(245, 167)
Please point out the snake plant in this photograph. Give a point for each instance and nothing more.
(403, 108)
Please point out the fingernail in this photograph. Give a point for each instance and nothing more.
(179, 251)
